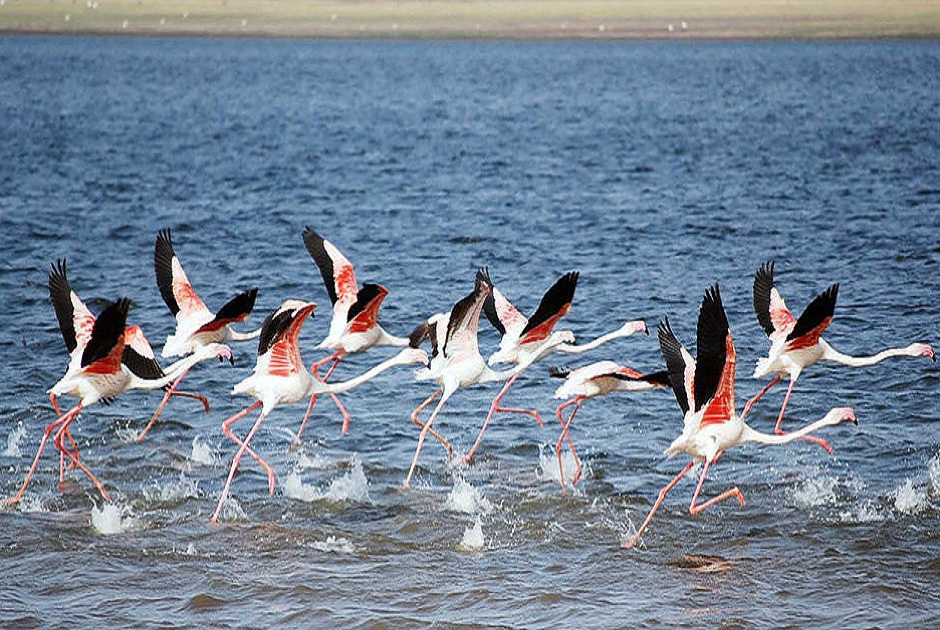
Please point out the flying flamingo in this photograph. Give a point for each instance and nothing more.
(704, 388)
(596, 379)
(455, 357)
(101, 376)
(522, 339)
(196, 325)
(797, 344)
(354, 326)
(76, 322)
(280, 378)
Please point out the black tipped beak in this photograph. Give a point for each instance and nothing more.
(855, 421)
(647, 331)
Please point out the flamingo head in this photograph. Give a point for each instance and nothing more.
(636, 326)
(838, 415)
(413, 355)
(922, 350)
(217, 350)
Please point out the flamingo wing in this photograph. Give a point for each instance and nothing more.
(771, 310)
(75, 320)
(711, 348)
(503, 316)
(175, 288)
(279, 339)
(814, 320)
(338, 274)
(554, 305)
(464, 318)
(363, 314)
(138, 356)
(235, 310)
(103, 353)
(680, 366)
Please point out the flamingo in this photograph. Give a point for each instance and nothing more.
(522, 338)
(196, 325)
(455, 358)
(596, 379)
(76, 322)
(280, 378)
(704, 388)
(354, 326)
(797, 344)
(102, 375)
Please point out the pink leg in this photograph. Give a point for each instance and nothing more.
(809, 438)
(166, 397)
(226, 429)
(75, 455)
(759, 395)
(435, 434)
(76, 463)
(335, 357)
(424, 432)
(561, 438)
(493, 408)
(696, 509)
(238, 457)
(58, 422)
(659, 501)
(561, 421)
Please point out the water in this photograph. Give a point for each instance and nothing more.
(655, 169)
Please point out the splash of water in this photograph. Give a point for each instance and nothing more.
(182, 488)
(112, 519)
(333, 545)
(548, 466)
(466, 499)
(126, 435)
(202, 453)
(13, 441)
(472, 538)
(815, 491)
(910, 500)
(352, 486)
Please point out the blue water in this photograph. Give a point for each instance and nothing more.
(654, 169)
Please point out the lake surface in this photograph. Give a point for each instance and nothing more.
(654, 169)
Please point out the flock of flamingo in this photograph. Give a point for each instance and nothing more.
(108, 357)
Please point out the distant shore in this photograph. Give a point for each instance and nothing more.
(479, 19)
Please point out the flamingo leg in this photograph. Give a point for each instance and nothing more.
(57, 440)
(226, 429)
(696, 509)
(659, 501)
(424, 431)
(335, 358)
(238, 457)
(61, 419)
(809, 438)
(75, 455)
(494, 406)
(561, 421)
(435, 434)
(564, 433)
(166, 397)
(759, 395)
(194, 396)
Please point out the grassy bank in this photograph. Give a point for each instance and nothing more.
(535, 19)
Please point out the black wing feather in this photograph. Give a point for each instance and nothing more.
(559, 372)
(163, 255)
(140, 365)
(367, 293)
(239, 307)
(763, 285)
(675, 364)
(273, 327)
(60, 293)
(559, 294)
(107, 331)
(489, 309)
(419, 334)
(822, 307)
(317, 250)
(461, 309)
(711, 349)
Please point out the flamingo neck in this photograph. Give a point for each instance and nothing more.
(832, 354)
(234, 335)
(316, 387)
(758, 437)
(568, 348)
(386, 339)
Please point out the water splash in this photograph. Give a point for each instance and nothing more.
(933, 470)
(112, 519)
(466, 499)
(182, 488)
(32, 504)
(472, 538)
(910, 500)
(333, 545)
(865, 512)
(126, 435)
(548, 467)
(814, 492)
(202, 453)
(352, 486)
(13, 441)
(232, 510)
(293, 487)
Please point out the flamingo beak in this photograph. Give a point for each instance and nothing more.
(850, 415)
(928, 352)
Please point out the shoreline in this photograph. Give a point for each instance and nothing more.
(522, 20)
